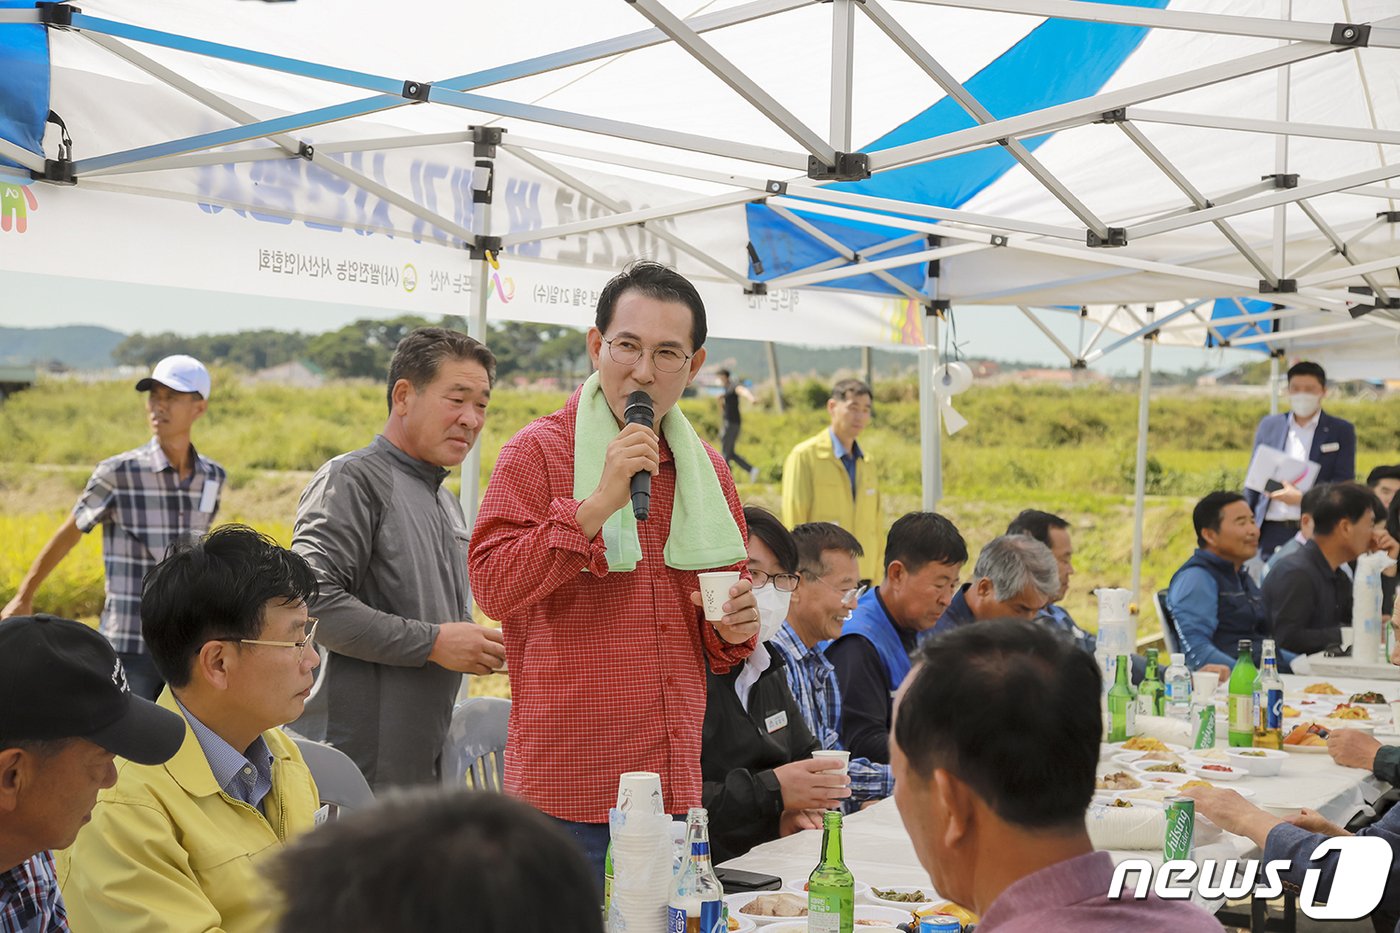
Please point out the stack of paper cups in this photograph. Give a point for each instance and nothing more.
(1366, 638)
(641, 856)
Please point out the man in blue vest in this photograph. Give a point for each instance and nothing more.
(923, 556)
(1306, 432)
(1213, 599)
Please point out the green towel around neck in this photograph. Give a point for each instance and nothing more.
(703, 532)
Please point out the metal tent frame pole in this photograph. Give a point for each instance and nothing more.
(1140, 476)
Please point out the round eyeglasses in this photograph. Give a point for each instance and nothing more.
(627, 351)
(783, 582)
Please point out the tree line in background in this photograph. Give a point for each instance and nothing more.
(361, 349)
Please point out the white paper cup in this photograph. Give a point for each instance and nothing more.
(714, 591)
(1203, 684)
(1394, 716)
(639, 792)
(841, 756)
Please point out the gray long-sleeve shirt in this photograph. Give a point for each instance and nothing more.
(388, 545)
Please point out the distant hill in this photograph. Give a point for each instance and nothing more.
(75, 347)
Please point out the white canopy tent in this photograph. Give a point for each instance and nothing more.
(1166, 170)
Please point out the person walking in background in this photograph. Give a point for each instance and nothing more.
(730, 420)
(829, 478)
(145, 499)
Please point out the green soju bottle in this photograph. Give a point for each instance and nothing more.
(831, 889)
(1151, 694)
(1120, 703)
(1242, 697)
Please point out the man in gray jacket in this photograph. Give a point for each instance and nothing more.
(388, 545)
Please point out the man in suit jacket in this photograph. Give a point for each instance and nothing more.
(1307, 433)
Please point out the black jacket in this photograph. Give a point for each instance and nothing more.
(1308, 601)
(738, 753)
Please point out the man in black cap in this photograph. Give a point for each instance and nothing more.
(65, 712)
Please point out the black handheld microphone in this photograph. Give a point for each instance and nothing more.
(639, 411)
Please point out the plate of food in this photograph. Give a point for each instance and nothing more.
(1205, 754)
(1117, 781)
(1158, 767)
(1143, 743)
(764, 909)
(906, 896)
(1163, 781)
(1128, 759)
(1203, 782)
(868, 915)
(966, 917)
(1217, 771)
(1370, 698)
(1261, 762)
(1306, 738)
(1323, 689)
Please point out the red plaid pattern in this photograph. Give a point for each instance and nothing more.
(607, 670)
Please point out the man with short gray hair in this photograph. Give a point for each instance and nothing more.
(388, 544)
(1014, 578)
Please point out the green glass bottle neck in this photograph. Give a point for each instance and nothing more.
(831, 839)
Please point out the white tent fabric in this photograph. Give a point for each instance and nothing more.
(1201, 171)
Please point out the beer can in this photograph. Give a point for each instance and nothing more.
(1180, 841)
(939, 923)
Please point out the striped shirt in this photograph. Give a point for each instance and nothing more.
(29, 898)
(246, 777)
(812, 680)
(143, 507)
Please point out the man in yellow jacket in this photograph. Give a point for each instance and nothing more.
(178, 847)
(828, 478)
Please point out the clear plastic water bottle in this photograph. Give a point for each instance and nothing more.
(1178, 689)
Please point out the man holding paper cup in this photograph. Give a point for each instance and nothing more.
(606, 642)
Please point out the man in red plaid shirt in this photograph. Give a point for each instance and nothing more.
(607, 666)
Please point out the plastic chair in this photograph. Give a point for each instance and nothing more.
(1169, 636)
(474, 752)
(337, 777)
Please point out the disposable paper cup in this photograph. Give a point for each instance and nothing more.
(714, 591)
(841, 756)
(1395, 716)
(1203, 683)
(639, 792)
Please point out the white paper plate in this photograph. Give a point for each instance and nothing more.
(1306, 749)
(931, 897)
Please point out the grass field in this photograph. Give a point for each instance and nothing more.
(1068, 451)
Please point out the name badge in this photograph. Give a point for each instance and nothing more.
(1330, 448)
(323, 815)
(775, 722)
(210, 496)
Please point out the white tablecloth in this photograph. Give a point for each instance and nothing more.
(878, 850)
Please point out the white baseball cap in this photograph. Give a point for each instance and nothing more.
(181, 373)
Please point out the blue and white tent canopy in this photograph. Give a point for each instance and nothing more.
(1233, 156)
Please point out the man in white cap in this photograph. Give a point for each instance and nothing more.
(145, 499)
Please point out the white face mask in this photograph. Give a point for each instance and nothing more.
(1304, 404)
(772, 610)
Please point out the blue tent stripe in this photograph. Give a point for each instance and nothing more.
(1058, 61)
(1225, 308)
(24, 82)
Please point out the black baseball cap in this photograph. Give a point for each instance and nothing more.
(60, 679)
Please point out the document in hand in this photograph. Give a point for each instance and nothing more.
(1270, 463)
